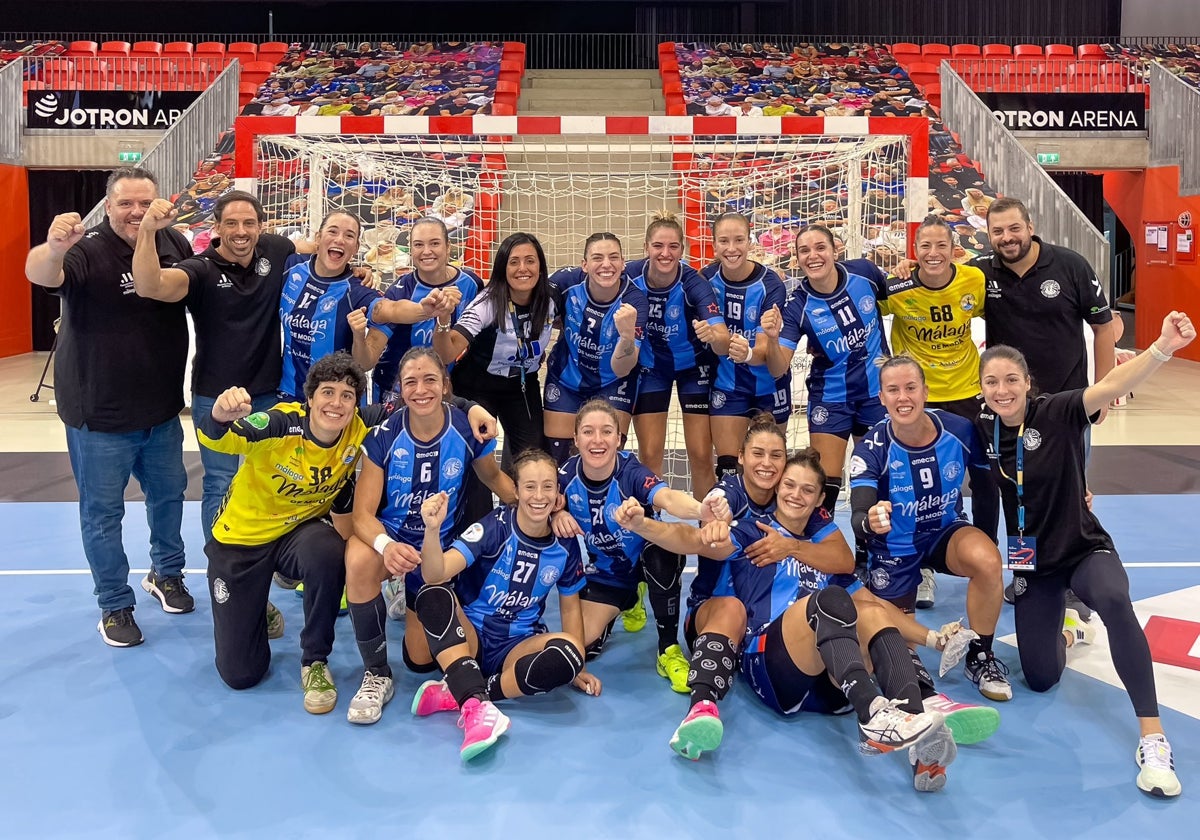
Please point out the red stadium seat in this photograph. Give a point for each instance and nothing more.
(935, 52)
(1060, 51)
(273, 46)
(114, 48)
(509, 76)
(1028, 51)
(210, 48)
(906, 48)
(509, 64)
(82, 48)
(178, 48)
(146, 48)
(997, 51)
(667, 64)
(965, 51)
(924, 74)
(254, 68)
(503, 109)
(666, 48)
(1092, 52)
(516, 48)
(507, 87)
(243, 47)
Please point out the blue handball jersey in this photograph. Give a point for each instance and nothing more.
(924, 485)
(510, 574)
(581, 360)
(743, 303)
(414, 470)
(402, 337)
(313, 312)
(671, 344)
(712, 576)
(767, 591)
(845, 338)
(613, 552)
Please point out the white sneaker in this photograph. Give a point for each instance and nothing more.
(393, 593)
(890, 727)
(1157, 775)
(369, 700)
(955, 647)
(990, 676)
(1081, 632)
(930, 757)
(926, 590)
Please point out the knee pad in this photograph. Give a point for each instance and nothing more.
(662, 568)
(831, 614)
(437, 607)
(559, 449)
(558, 663)
(726, 465)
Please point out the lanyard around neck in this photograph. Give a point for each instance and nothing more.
(1019, 480)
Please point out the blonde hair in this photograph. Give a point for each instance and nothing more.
(664, 219)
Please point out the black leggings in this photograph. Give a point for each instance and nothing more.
(1100, 582)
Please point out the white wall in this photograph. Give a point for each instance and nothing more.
(1160, 17)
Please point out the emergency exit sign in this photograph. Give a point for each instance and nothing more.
(135, 157)
(1047, 158)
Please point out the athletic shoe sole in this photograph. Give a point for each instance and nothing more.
(115, 643)
(322, 708)
(478, 747)
(153, 589)
(695, 737)
(970, 726)
(930, 757)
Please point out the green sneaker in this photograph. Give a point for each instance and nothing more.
(673, 665)
(634, 618)
(320, 694)
(344, 607)
(274, 622)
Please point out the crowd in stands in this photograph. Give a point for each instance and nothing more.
(1182, 60)
(443, 79)
(830, 80)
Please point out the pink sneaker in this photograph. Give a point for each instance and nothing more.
(969, 724)
(433, 697)
(700, 732)
(482, 725)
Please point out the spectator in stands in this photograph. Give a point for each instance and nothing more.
(118, 376)
(778, 108)
(717, 107)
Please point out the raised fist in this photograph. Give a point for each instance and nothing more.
(65, 231)
(232, 404)
(625, 321)
(160, 214)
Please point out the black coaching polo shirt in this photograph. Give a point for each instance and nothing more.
(1040, 313)
(235, 310)
(119, 360)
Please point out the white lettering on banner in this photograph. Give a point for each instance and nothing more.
(103, 117)
(1103, 119)
(1030, 119)
(1089, 119)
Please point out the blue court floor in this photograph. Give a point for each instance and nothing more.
(147, 742)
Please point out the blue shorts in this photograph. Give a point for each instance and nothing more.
(619, 394)
(654, 390)
(782, 686)
(896, 578)
(778, 404)
(494, 650)
(845, 419)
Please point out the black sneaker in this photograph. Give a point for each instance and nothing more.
(1010, 592)
(118, 628)
(1073, 603)
(170, 592)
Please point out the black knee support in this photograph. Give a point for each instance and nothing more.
(438, 608)
(831, 614)
(558, 663)
(663, 570)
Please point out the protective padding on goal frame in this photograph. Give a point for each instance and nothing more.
(496, 129)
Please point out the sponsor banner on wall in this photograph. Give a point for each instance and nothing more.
(1068, 111)
(106, 109)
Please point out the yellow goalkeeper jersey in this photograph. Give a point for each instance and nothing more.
(934, 327)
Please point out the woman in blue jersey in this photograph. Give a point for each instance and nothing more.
(595, 482)
(322, 305)
(486, 630)
(685, 334)
(603, 319)
(430, 297)
(836, 311)
(801, 651)
(424, 448)
(906, 478)
(751, 297)
(1038, 460)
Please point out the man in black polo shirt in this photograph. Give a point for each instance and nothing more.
(118, 377)
(232, 290)
(1037, 296)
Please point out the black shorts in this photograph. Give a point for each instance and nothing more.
(783, 687)
(613, 596)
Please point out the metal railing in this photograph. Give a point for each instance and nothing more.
(174, 158)
(1175, 127)
(11, 103)
(121, 73)
(1012, 171)
(1048, 75)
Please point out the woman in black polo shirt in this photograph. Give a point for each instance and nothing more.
(1055, 542)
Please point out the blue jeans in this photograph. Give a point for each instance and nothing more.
(102, 463)
(219, 468)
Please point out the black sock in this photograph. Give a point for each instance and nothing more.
(465, 680)
(833, 489)
(559, 449)
(924, 678)
(727, 465)
(662, 571)
(894, 669)
(712, 666)
(594, 650)
(982, 643)
(370, 621)
(494, 691)
(833, 618)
